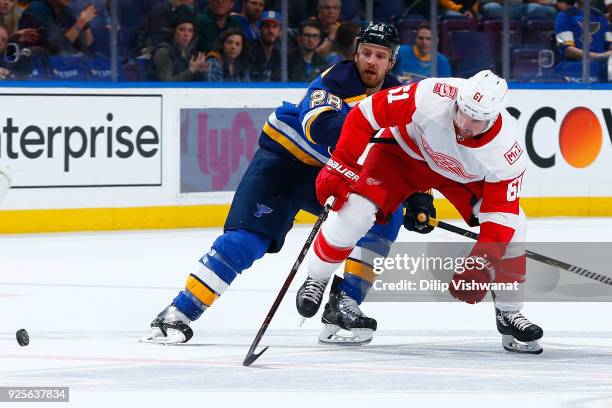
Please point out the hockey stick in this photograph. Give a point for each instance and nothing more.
(532, 255)
(251, 355)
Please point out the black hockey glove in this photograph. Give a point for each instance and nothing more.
(417, 204)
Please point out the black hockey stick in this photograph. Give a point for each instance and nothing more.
(251, 355)
(531, 255)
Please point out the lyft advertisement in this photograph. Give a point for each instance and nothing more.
(217, 146)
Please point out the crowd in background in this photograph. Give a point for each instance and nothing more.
(239, 40)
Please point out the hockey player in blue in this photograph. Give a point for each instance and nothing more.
(294, 144)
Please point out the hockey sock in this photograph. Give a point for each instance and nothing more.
(359, 274)
(338, 236)
(510, 270)
(231, 253)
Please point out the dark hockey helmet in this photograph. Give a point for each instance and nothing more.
(382, 34)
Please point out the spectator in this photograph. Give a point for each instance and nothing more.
(4, 40)
(60, 32)
(8, 15)
(388, 10)
(213, 21)
(568, 30)
(327, 17)
(414, 62)
(264, 53)
(227, 61)
(250, 18)
(175, 59)
(457, 8)
(306, 63)
(9, 18)
(535, 9)
(417, 9)
(344, 46)
(102, 17)
(298, 10)
(351, 10)
(540, 9)
(158, 26)
(100, 25)
(494, 9)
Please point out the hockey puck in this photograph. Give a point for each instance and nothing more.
(23, 338)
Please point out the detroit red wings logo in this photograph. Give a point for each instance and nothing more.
(446, 162)
(445, 90)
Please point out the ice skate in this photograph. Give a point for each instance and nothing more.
(344, 323)
(171, 326)
(310, 296)
(519, 335)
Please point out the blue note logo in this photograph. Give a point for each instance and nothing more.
(261, 210)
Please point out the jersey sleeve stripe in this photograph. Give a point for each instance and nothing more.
(289, 133)
(310, 117)
(326, 71)
(411, 149)
(354, 100)
(365, 107)
(284, 141)
(566, 38)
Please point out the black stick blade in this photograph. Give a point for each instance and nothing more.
(251, 357)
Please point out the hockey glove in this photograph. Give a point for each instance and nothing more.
(469, 285)
(336, 179)
(419, 208)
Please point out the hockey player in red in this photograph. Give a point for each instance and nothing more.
(455, 136)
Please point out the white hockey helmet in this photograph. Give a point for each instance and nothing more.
(483, 96)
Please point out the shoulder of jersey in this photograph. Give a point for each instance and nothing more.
(434, 95)
(505, 155)
(445, 88)
(343, 80)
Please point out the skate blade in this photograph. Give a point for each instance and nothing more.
(157, 337)
(335, 335)
(301, 321)
(525, 347)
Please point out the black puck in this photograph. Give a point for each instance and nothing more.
(23, 338)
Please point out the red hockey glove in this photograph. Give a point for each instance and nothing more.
(336, 179)
(468, 286)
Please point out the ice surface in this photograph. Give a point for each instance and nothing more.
(86, 298)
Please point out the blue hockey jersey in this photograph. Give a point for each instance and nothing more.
(306, 131)
(569, 30)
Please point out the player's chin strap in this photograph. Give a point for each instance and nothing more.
(606, 280)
